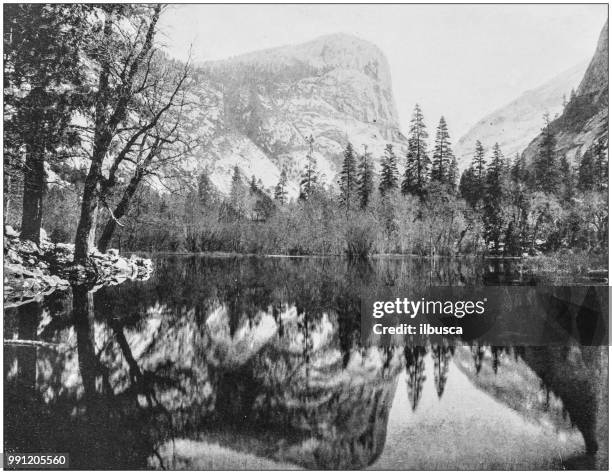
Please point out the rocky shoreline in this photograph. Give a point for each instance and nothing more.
(32, 271)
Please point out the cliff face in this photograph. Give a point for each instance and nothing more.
(584, 120)
(258, 109)
(514, 125)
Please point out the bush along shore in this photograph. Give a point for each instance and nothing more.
(32, 270)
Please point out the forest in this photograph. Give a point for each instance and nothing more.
(97, 118)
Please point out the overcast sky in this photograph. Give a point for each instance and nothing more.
(461, 61)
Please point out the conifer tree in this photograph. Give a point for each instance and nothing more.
(442, 154)
(43, 75)
(205, 188)
(253, 188)
(310, 175)
(495, 174)
(280, 191)
(388, 171)
(365, 178)
(586, 171)
(348, 178)
(467, 186)
(494, 197)
(417, 159)
(567, 179)
(479, 165)
(518, 171)
(600, 164)
(453, 173)
(546, 173)
(238, 193)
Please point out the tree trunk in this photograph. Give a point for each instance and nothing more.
(34, 188)
(7, 196)
(86, 228)
(120, 211)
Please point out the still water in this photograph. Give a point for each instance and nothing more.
(256, 363)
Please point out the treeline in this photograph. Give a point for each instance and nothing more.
(370, 211)
(499, 206)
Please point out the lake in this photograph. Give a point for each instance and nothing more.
(233, 362)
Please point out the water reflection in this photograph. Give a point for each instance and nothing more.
(259, 356)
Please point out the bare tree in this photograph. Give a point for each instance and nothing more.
(157, 151)
(124, 59)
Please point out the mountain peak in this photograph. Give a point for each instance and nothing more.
(596, 77)
(320, 55)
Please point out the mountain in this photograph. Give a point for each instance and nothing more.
(514, 125)
(256, 110)
(584, 120)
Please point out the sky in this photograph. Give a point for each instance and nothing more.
(460, 61)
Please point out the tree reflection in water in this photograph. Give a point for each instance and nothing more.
(259, 355)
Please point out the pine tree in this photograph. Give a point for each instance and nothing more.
(600, 164)
(546, 175)
(348, 178)
(567, 179)
(388, 173)
(494, 197)
(495, 174)
(442, 154)
(518, 171)
(280, 191)
(253, 185)
(365, 178)
(476, 177)
(479, 164)
(586, 171)
(417, 159)
(453, 173)
(43, 75)
(310, 175)
(238, 193)
(205, 188)
(467, 186)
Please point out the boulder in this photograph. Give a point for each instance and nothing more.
(13, 257)
(10, 232)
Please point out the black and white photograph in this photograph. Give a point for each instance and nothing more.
(305, 236)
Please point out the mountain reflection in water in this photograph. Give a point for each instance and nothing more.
(255, 363)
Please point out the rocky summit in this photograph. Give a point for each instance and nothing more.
(257, 110)
(584, 120)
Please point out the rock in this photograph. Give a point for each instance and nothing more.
(340, 91)
(43, 235)
(65, 247)
(32, 280)
(28, 247)
(122, 266)
(10, 232)
(13, 257)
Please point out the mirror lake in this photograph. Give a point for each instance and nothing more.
(238, 362)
